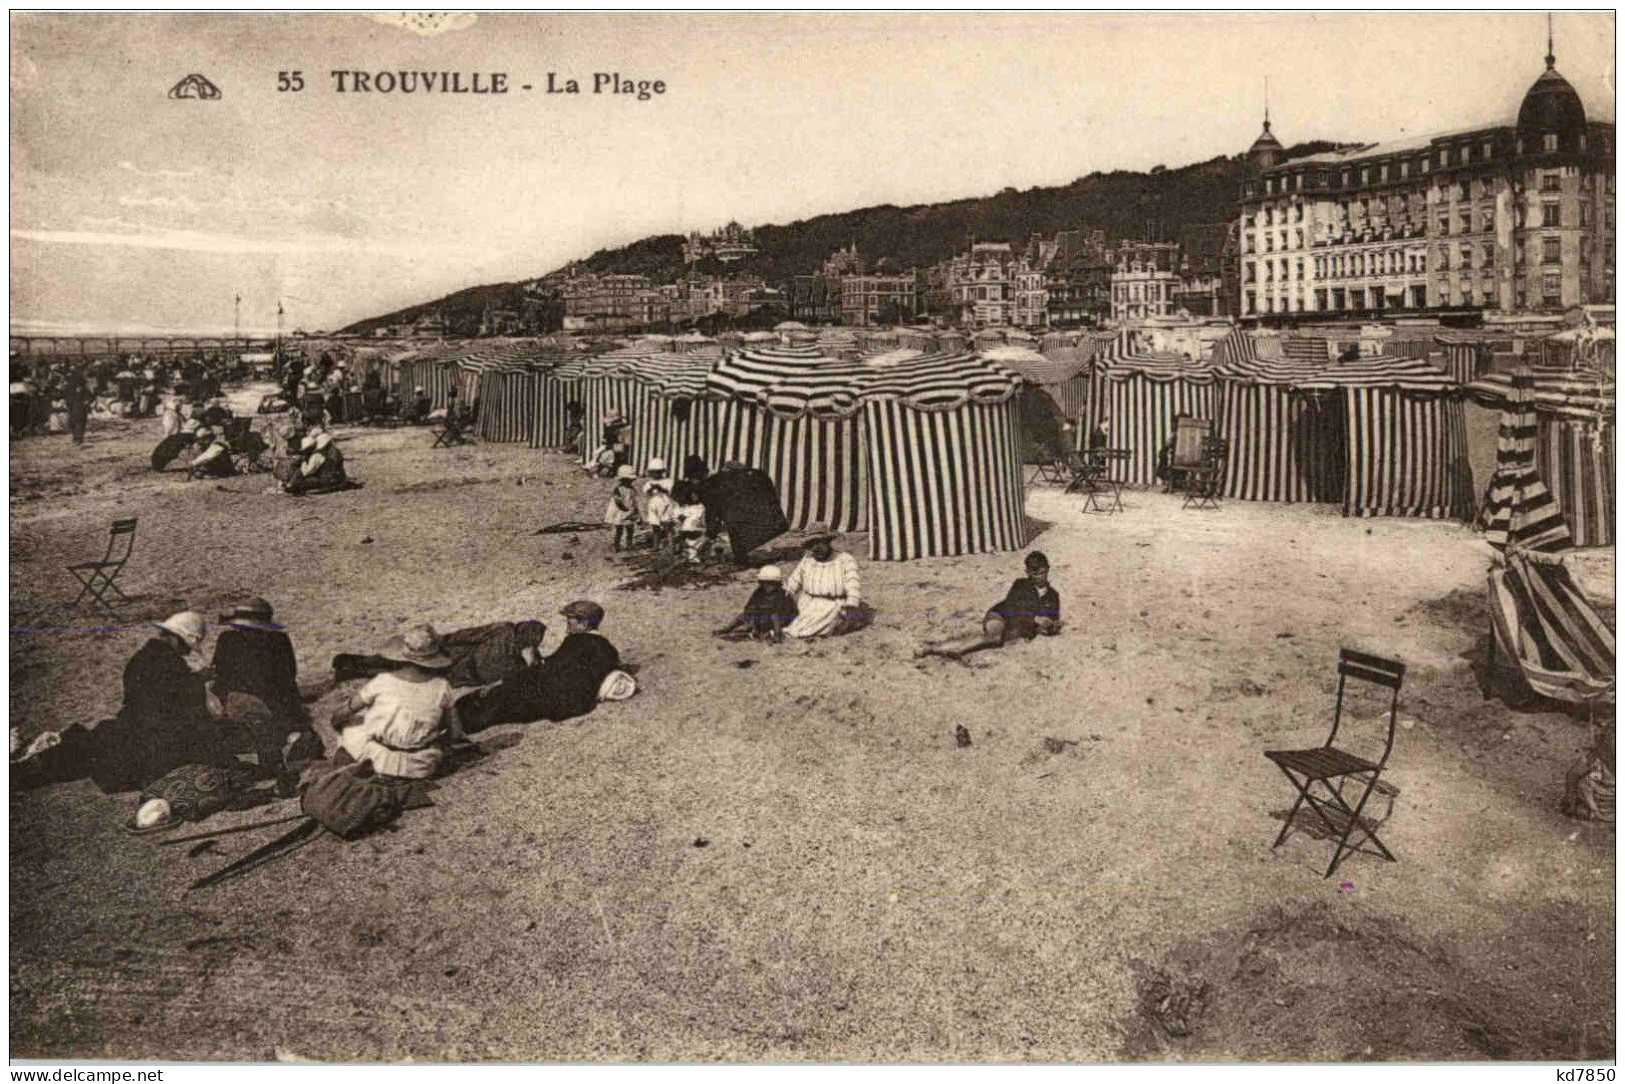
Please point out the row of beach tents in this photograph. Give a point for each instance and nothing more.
(917, 438)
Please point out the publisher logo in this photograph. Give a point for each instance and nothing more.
(196, 87)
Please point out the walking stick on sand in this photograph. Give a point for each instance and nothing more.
(282, 845)
(232, 830)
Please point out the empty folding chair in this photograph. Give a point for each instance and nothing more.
(1333, 768)
(96, 578)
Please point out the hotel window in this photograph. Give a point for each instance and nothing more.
(1269, 186)
(1404, 169)
(1298, 235)
(1320, 300)
(1444, 157)
(1383, 172)
(1300, 271)
(1444, 223)
(1487, 256)
(1486, 221)
(1551, 250)
(1486, 187)
(1517, 252)
(1551, 214)
(1252, 303)
(1585, 214)
(1464, 190)
(1465, 222)
(1548, 142)
(1551, 182)
(1444, 259)
(1467, 295)
(1466, 257)
(1247, 243)
(1489, 150)
(1269, 215)
(1466, 154)
(1297, 213)
(1551, 286)
(1365, 176)
(1425, 165)
(1345, 178)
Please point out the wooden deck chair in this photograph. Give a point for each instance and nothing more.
(1542, 622)
(1190, 449)
(97, 578)
(1333, 768)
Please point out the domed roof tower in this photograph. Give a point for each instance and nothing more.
(1266, 150)
(1551, 108)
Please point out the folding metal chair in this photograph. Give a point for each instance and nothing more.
(1051, 469)
(1335, 768)
(96, 578)
(453, 432)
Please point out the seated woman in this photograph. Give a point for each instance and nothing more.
(828, 593)
(1031, 608)
(402, 721)
(322, 468)
(214, 460)
(768, 610)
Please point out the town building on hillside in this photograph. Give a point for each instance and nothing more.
(1514, 216)
(815, 298)
(1077, 278)
(725, 297)
(1031, 302)
(1144, 279)
(1200, 291)
(732, 242)
(430, 326)
(843, 261)
(872, 299)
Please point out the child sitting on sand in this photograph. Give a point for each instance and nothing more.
(768, 610)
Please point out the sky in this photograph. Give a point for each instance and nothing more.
(131, 211)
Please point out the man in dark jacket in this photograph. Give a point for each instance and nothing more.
(256, 677)
(165, 721)
(79, 397)
(561, 686)
(744, 502)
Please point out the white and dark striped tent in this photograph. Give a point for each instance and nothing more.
(1399, 426)
(503, 377)
(792, 411)
(670, 415)
(921, 452)
(1572, 438)
(1518, 507)
(1137, 396)
(1063, 375)
(431, 368)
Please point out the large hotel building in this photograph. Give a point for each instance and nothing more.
(1511, 217)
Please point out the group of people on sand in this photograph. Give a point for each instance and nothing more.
(59, 395)
(243, 712)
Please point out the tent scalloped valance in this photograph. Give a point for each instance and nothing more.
(795, 382)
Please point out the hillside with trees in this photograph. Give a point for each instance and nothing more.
(1128, 205)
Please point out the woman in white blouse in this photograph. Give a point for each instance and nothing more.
(827, 590)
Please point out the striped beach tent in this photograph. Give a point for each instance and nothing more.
(1563, 647)
(792, 411)
(1136, 397)
(1284, 444)
(1518, 509)
(669, 413)
(921, 452)
(1383, 434)
(943, 461)
(431, 368)
(1064, 380)
(1573, 439)
(503, 375)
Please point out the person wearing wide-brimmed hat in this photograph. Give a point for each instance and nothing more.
(827, 589)
(402, 720)
(322, 468)
(562, 686)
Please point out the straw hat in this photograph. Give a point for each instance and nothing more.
(418, 646)
(254, 614)
(818, 532)
(188, 625)
(769, 574)
(656, 464)
(625, 472)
